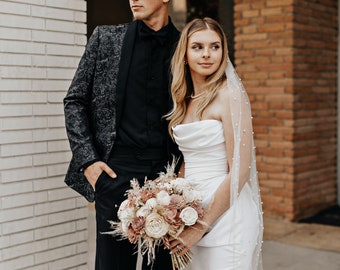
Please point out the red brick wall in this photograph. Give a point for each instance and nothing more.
(285, 52)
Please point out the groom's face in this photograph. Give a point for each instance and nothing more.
(147, 9)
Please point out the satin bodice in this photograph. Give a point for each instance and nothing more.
(203, 146)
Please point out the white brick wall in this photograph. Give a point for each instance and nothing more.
(43, 223)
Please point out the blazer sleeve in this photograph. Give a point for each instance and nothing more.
(77, 106)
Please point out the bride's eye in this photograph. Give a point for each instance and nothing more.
(215, 47)
(196, 47)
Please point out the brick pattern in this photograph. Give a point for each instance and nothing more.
(315, 90)
(285, 53)
(43, 223)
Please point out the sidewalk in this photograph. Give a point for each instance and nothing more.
(287, 245)
(300, 246)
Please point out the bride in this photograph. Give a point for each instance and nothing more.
(211, 123)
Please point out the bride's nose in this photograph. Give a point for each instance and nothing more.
(206, 53)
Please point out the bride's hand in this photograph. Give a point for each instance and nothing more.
(188, 238)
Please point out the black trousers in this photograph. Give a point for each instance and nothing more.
(113, 253)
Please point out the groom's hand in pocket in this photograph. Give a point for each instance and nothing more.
(93, 172)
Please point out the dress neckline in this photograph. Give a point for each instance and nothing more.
(198, 122)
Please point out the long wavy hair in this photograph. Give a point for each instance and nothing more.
(182, 85)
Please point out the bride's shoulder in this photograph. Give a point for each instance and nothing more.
(224, 93)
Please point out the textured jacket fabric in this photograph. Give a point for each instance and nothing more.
(93, 104)
(90, 104)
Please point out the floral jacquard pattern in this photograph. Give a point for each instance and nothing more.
(90, 111)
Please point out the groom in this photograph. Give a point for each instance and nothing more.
(113, 113)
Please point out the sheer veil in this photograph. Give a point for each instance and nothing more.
(243, 169)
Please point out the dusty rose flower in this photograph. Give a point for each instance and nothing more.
(137, 224)
(198, 208)
(132, 200)
(177, 201)
(178, 220)
(156, 190)
(189, 216)
(170, 214)
(175, 222)
(145, 195)
(155, 226)
(132, 236)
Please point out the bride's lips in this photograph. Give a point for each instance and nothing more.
(206, 64)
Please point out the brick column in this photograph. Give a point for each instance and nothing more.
(285, 52)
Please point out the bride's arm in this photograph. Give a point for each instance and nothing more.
(181, 171)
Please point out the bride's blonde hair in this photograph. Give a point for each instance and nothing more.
(182, 86)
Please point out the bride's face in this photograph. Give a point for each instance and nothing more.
(204, 53)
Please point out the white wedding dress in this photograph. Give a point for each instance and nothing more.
(231, 242)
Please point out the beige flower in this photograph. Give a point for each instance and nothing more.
(189, 216)
(151, 203)
(124, 205)
(143, 211)
(125, 226)
(163, 198)
(191, 195)
(180, 184)
(125, 212)
(155, 226)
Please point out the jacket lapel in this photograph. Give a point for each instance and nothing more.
(125, 61)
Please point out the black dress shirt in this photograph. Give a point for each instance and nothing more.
(147, 97)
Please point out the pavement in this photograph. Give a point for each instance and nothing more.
(300, 246)
(287, 245)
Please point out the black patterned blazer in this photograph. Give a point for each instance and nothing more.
(93, 103)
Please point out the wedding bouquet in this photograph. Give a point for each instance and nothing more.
(159, 209)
